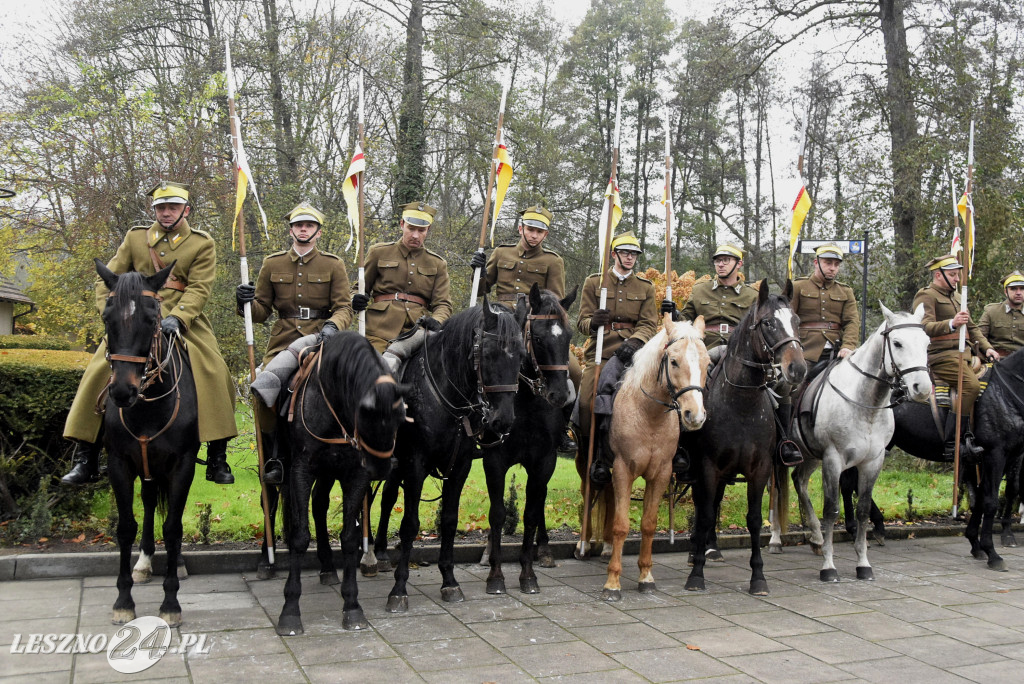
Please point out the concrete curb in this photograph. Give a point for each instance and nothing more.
(54, 565)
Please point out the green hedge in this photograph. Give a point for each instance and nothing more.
(34, 342)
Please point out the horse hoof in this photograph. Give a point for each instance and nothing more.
(816, 548)
(289, 625)
(689, 559)
(496, 585)
(979, 554)
(384, 566)
(646, 587)
(354, 619)
(998, 565)
(145, 577)
(1008, 541)
(580, 555)
(329, 578)
(529, 586)
(182, 570)
(830, 575)
(865, 573)
(122, 616)
(611, 595)
(714, 556)
(695, 584)
(397, 604)
(265, 571)
(172, 619)
(366, 570)
(879, 537)
(452, 595)
(546, 560)
(774, 548)
(759, 587)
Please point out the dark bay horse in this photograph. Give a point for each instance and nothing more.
(347, 414)
(539, 423)
(738, 437)
(151, 430)
(463, 384)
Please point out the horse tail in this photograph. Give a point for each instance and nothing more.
(781, 512)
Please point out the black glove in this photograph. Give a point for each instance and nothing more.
(171, 325)
(627, 349)
(600, 317)
(479, 260)
(244, 294)
(668, 306)
(360, 302)
(429, 323)
(329, 329)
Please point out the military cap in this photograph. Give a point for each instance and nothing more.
(946, 262)
(626, 242)
(536, 217)
(418, 213)
(304, 211)
(829, 251)
(169, 192)
(728, 250)
(1015, 279)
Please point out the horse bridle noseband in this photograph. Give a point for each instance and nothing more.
(538, 385)
(893, 376)
(769, 367)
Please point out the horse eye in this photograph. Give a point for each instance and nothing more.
(898, 345)
(675, 364)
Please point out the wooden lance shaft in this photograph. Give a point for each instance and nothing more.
(963, 332)
(487, 209)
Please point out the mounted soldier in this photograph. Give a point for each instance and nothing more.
(942, 321)
(406, 284)
(148, 249)
(722, 301)
(630, 320)
(1002, 323)
(309, 290)
(827, 308)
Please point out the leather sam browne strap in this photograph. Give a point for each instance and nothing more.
(173, 282)
(622, 326)
(401, 297)
(820, 325)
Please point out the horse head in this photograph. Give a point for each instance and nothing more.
(546, 334)
(380, 412)
(905, 354)
(684, 368)
(776, 323)
(131, 317)
(498, 351)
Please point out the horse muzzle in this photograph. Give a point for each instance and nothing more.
(124, 392)
(919, 386)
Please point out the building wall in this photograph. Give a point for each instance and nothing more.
(6, 318)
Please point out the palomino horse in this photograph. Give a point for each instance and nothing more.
(347, 414)
(152, 430)
(540, 421)
(844, 420)
(463, 382)
(738, 437)
(661, 395)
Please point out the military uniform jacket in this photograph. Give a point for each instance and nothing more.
(817, 303)
(1003, 327)
(939, 308)
(513, 269)
(195, 265)
(312, 285)
(392, 268)
(722, 307)
(632, 306)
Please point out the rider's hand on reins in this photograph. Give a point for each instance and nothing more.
(171, 326)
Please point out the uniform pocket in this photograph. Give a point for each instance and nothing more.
(282, 277)
(319, 286)
(429, 271)
(387, 264)
(536, 268)
(507, 265)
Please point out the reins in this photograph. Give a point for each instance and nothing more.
(893, 375)
(538, 384)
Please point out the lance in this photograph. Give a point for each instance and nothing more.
(967, 244)
(361, 272)
(490, 184)
(236, 146)
(668, 291)
(604, 232)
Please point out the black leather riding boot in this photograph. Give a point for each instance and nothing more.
(601, 468)
(86, 462)
(681, 461)
(969, 449)
(788, 452)
(217, 468)
(273, 469)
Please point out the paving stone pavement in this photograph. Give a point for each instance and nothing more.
(932, 615)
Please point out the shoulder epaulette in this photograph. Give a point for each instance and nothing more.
(201, 232)
(594, 275)
(640, 277)
(797, 280)
(282, 252)
(550, 251)
(437, 255)
(510, 244)
(328, 254)
(140, 227)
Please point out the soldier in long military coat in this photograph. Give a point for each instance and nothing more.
(147, 249)
(405, 281)
(942, 321)
(827, 308)
(1002, 323)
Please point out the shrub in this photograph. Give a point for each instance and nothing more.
(34, 342)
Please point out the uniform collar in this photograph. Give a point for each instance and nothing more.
(524, 250)
(1007, 308)
(405, 251)
(305, 258)
(737, 287)
(821, 282)
(175, 237)
(941, 289)
(615, 275)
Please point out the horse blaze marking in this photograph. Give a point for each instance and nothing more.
(785, 317)
(693, 358)
(556, 330)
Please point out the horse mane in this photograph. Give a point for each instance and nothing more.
(553, 304)
(456, 337)
(350, 365)
(647, 360)
(129, 289)
(744, 328)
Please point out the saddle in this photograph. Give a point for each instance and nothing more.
(308, 357)
(944, 397)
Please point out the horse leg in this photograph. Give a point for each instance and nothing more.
(801, 476)
(653, 492)
(451, 492)
(988, 490)
(264, 568)
(398, 599)
(621, 485)
(388, 498)
(178, 485)
(289, 623)
(321, 501)
(867, 475)
(495, 472)
(711, 553)
(779, 518)
(755, 494)
(972, 532)
(830, 470)
(847, 488)
(1006, 537)
(127, 528)
(704, 506)
(534, 526)
(877, 523)
(353, 494)
(142, 573)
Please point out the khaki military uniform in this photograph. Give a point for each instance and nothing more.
(196, 265)
(828, 315)
(513, 269)
(305, 291)
(722, 306)
(403, 285)
(634, 313)
(1003, 327)
(940, 306)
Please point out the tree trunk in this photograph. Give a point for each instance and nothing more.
(284, 139)
(412, 135)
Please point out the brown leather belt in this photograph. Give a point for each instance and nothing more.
(402, 297)
(622, 326)
(1003, 353)
(819, 325)
(304, 313)
(950, 336)
(173, 282)
(508, 297)
(721, 328)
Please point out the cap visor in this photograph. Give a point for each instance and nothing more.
(534, 224)
(415, 221)
(169, 200)
(304, 217)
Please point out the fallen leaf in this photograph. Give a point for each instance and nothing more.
(692, 647)
(79, 539)
(910, 536)
(43, 539)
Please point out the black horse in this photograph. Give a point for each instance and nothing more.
(347, 414)
(151, 430)
(738, 437)
(998, 428)
(462, 382)
(532, 441)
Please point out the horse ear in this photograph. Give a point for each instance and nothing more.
(157, 280)
(489, 315)
(108, 277)
(569, 298)
(762, 292)
(919, 312)
(788, 292)
(522, 310)
(885, 312)
(535, 300)
(699, 324)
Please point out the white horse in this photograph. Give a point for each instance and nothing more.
(845, 420)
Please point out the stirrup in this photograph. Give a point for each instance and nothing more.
(794, 459)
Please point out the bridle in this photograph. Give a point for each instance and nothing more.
(891, 376)
(764, 352)
(673, 393)
(538, 384)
